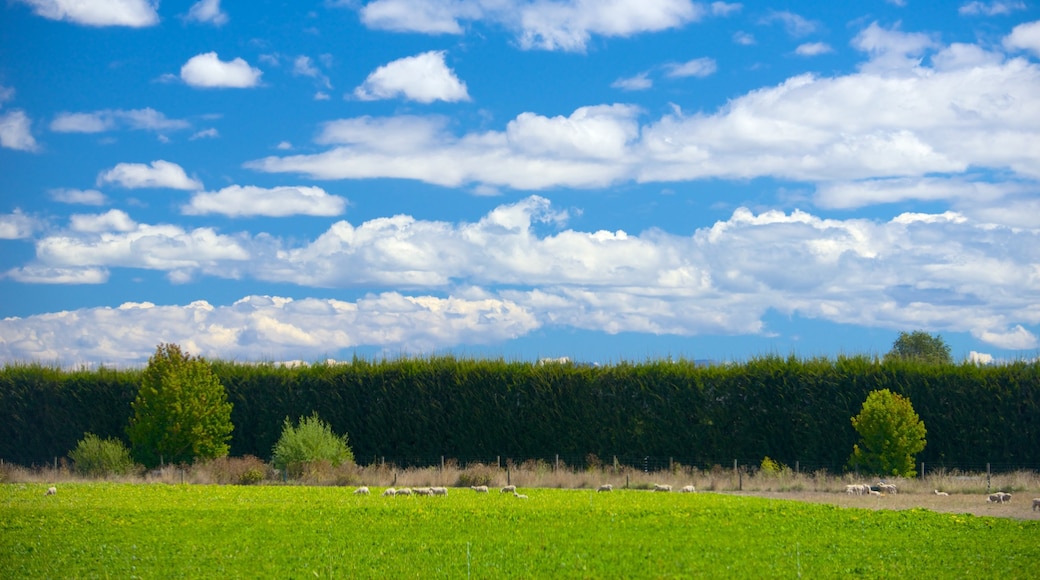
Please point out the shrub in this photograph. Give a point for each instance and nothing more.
(773, 467)
(310, 442)
(892, 435)
(478, 474)
(97, 457)
(245, 470)
(181, 413)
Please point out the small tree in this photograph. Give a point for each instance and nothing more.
(920, 346)
(181, 412)
(96, 457)
(891, 435)
(311, 441)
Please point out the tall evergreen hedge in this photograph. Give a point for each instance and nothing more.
(407, 410)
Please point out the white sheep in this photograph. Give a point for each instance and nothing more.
(606, 487)
(995, 498)
(942, 493)
(857, 489)
(886, 488)
(361, 491)
(439, 490)
(422, 491)
(519, 495)
(508, 489)
(479, 488)
(662, 487)
(688, 489)
(390, 492)
(1036, 503)
(872, 492)
(404, 491)
(1004, 497)
(51, 491)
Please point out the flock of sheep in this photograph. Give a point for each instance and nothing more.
(887, 488)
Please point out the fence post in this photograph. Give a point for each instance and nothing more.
(922, 470)
(442, 463)
(671, 465)
(507, 477)
(498, 461)
(796, 470)
(988, 490)
(557, 467)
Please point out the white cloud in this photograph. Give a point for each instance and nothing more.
(208, 71)
(207, 11)
(210, 133)
(743, 38)
(698, 67)
(813, 49)
(112, 220)
(424, 78)
(891, 49)
(263, 326)
(16, 131)
(106, 120)
(639, 82)
(159, 174)
(980, 358)
(912, 271)
(994, 8)
(16, 226)
(725, 8)
(1025, 37)
(549, 25)
(45, 275)
(304, 66)
(132, 13)
(244, 201)
(794, 24)
(78, 196)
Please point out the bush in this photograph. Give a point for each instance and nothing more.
(773, 467)
(892, 435)
(97, 457)
(310, 442)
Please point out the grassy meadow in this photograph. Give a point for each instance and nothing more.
(123, 530)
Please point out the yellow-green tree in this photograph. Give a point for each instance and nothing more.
(891, 435)
(181, 412)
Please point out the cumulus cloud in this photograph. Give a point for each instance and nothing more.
(78, 196)
(698, 67)
(132, 13)
(208, 71)
(158, 174)
(424, 78)
(16, 131)
(267, 326)
(207, 11)
(16, 225)
(1024, 37)
(813, 49)
(245, 201)
(916, 270)
(993, 8)
(554, 25)
(46, 275)
(106, 120)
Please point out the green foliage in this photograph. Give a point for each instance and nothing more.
(97, 457)
(892, 435)
(203, 531)
(181, 413)
(772, 467)
(920, 346)
(309, 442)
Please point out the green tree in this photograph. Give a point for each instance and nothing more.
(891, 435)
(311, 441)
(181, 412)
(96, 457)
(920, 346)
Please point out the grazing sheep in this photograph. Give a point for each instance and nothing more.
(422, 491)
(51, 491)
(479, 488)
(519, 495)
(389, 492)
(439, 490)
(995, 498)
(361, 491)
(508, 489)
(1004, 497)
(662, 487)
(404, 491)
(886, 488)
(943, 493)
(1036, 503)
(857, 489)
(688, 489)
(872, 492)
(606, 487)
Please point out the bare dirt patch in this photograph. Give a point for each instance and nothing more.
(1020, 507)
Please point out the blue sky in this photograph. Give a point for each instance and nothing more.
(599, 180)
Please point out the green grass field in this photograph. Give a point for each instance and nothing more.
(195, 531)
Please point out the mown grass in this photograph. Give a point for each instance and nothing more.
(192, 531)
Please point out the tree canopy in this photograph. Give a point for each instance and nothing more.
(181, 412)
(920, 346)
(891, 435)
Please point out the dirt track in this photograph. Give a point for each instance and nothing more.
(1020, 506)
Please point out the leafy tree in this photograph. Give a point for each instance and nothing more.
(892, 435)
(920, 346)
(95, 457)
(311, 441)
(181, 412)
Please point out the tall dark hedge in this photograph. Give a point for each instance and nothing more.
(417, 410)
